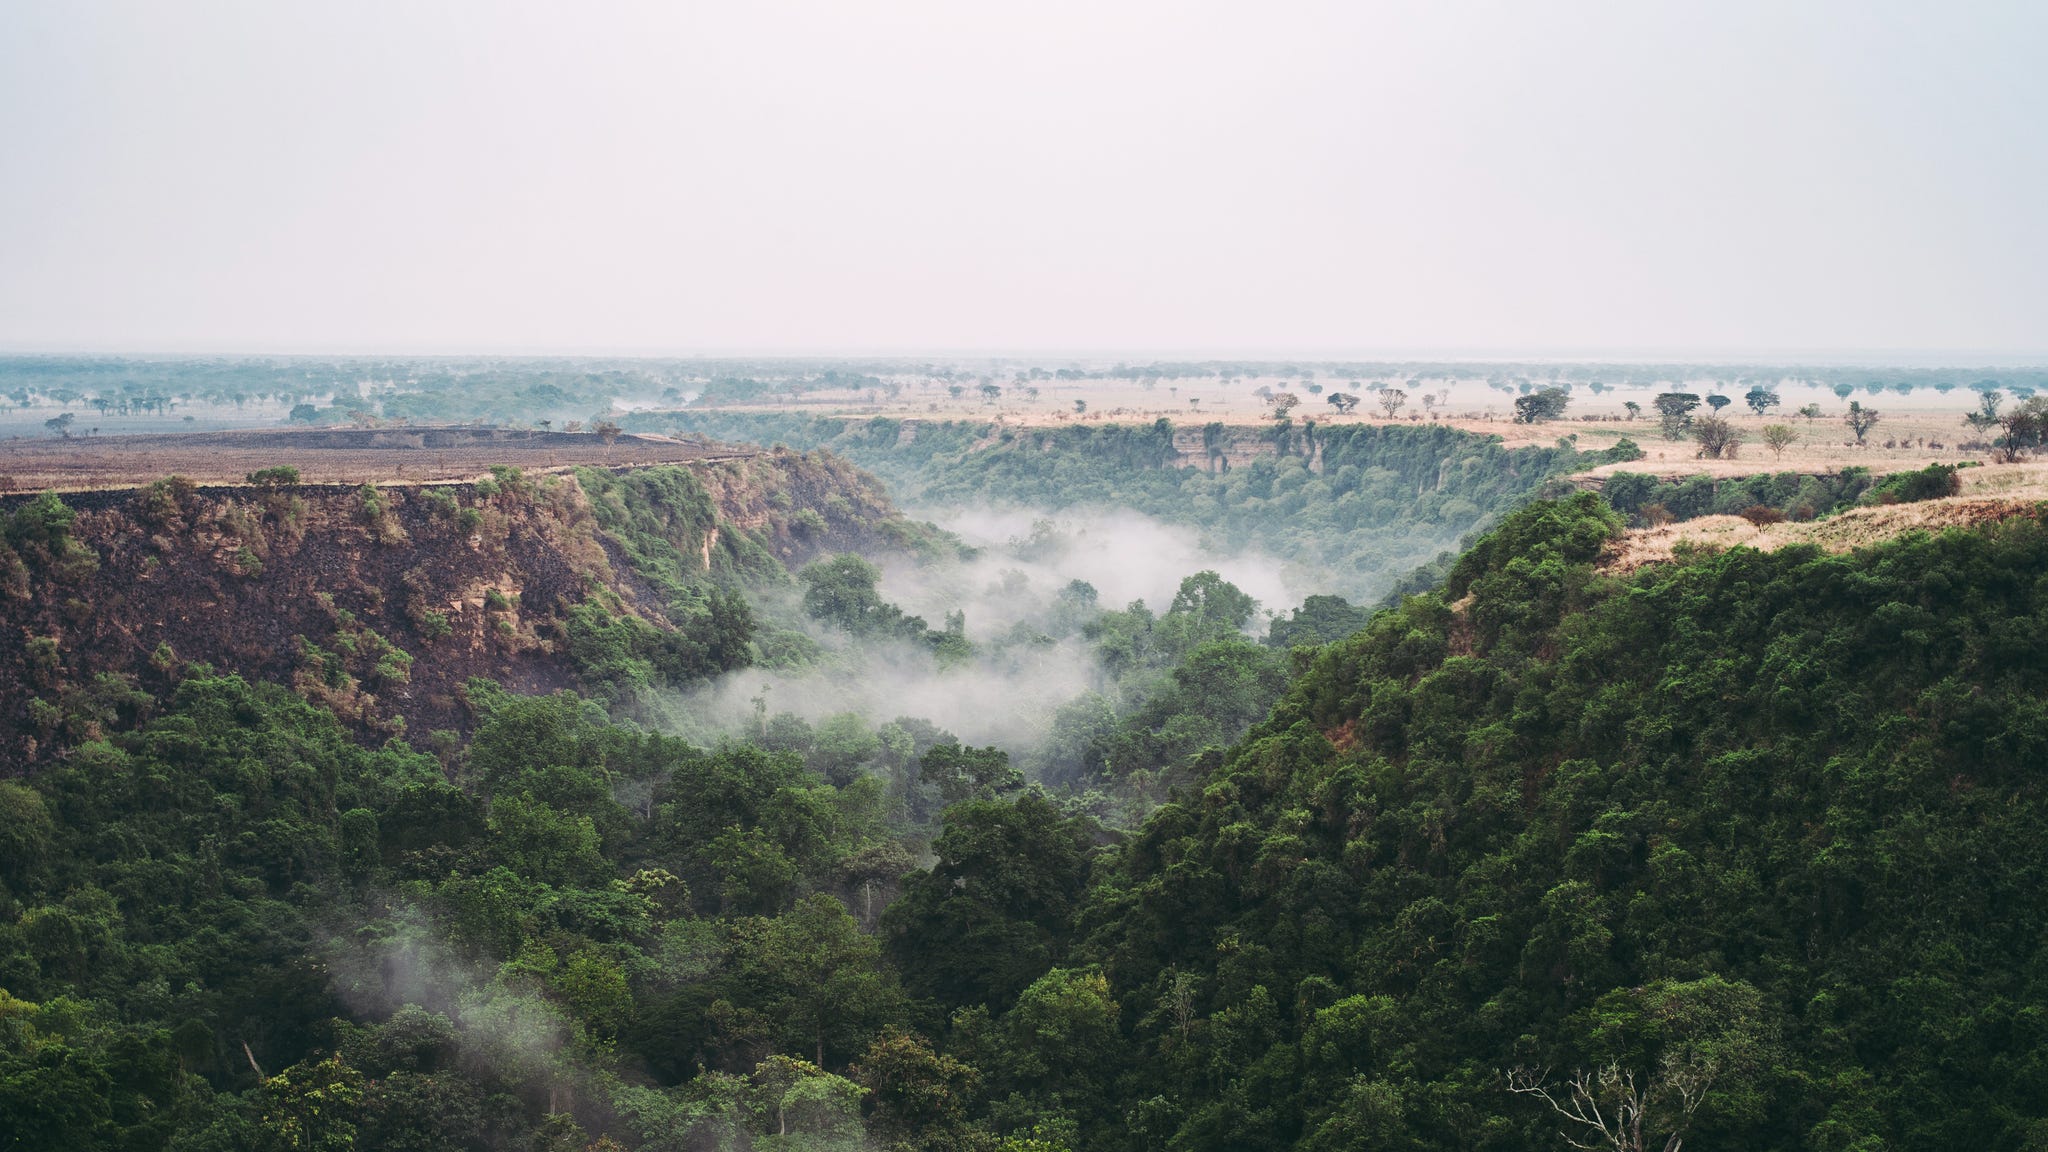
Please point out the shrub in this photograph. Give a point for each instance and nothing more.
(1930, 483)
(1762, 514)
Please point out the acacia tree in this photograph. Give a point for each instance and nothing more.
(1760, 399)
(2026, 429)
(1540, 405)
(1860, 420)
(1985, 417)
(1778, 437)
(1716, 401)
(1716, 437)
(1343, 401)
(1634, 409)
(1391, 400)
(1674, 410)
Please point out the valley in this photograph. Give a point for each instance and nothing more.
(1008, 785)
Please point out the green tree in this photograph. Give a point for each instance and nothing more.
(1543, 404)
(825, 988)
(1674, 411)
(920, 1098)
(994, 912)
(842, 591)
(1778, 437)
(1715, 436)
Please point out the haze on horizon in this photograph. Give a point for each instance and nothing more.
(1580, 178)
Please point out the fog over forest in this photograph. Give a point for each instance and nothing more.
(1164, 576)
(1029, 657)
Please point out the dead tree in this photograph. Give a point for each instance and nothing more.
(1613, 1112)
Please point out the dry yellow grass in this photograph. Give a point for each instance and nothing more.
(1990, 493)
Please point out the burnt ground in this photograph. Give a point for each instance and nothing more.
(329, 455)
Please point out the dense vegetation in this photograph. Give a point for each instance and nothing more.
(1359, 505)
(1757, 832)
(1762, 823)
(1792, 495)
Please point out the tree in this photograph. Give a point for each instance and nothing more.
(1674, 411)
(1778, 437)
(1342, 401)
(1986, 416)
(826, 988)
(1716, 401)
(1634, 409)
(1391, 399)
(996, 908)
(1283, 404)
(1860, 419)
(1080, 407)
(608, 432)
(842, 591)
(1811, 412)
(1715, 436)
(1540, 405)
(311, 1107)
(2026, 430)
(1319, 620)
(961, 772)
(61, 424)
(1609, 1110)
(1208, 607)
(1760, 399)
(991, 392)
(917, 1093)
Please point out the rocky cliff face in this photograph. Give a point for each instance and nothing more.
(380, 602)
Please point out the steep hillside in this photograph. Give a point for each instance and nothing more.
(1759, 833)
(1355, 508)
(381, 603)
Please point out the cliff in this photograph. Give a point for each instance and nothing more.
(382, 602)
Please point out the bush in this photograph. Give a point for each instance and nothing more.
(274, 477)
(1930, 483)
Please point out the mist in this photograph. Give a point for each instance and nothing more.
(1020, 614)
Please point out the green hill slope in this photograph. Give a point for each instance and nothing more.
(1768, 827)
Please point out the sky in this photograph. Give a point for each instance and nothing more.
(1346, 179)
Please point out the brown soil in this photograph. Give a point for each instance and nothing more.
(1989, 494)
(329, 456)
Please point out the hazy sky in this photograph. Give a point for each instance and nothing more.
(1358, 178)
